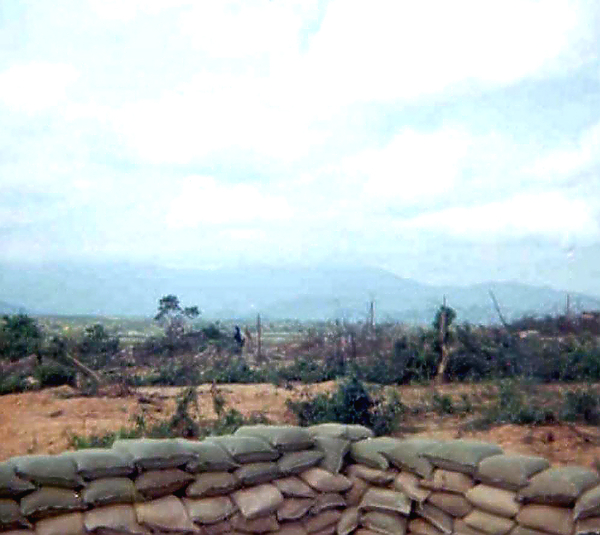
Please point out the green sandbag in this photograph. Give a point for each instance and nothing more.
(298, 461)
(256, 473)
(334, 450)
(109, 490)
(157, 483)
(12, 486)
(207, 457)
(50, 470)
(370, 451)
(96, 463)
(212, 484)
(386, 501)
(10, 516)
(384, 523)
(50, 501)
(510, 471)
(349, 521)
(284, 438)
(560, 485)
(352, 432)
(461, 455)
(245, 449)
(154, 454)
(408, 455)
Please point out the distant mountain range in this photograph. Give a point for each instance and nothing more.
(8, 308)
(114, 289)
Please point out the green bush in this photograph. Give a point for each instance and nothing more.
(55, 374)
(581, 405)
(12, 384)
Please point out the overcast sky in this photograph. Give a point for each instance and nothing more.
(451, 142)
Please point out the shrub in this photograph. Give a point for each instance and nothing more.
(13, 384)
(581, 405)
(55, 374)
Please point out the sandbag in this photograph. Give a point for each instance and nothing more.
(298, 461)
(461, 455)
(158, 483)
(454, 504)
(47, 470)
(258, 501)
(294, 508)
(448, 481)
(96, 463)
(410, 485)
(244, 449)
(294, 487)
(209, 510)
(218, 528)
(461, 528)
(282, 437)
(206, 457)
(153, 454)
(441, 520)
(561, 485)
(327, 500)
(352, 432)
(262, 524)
(325, 481)
(10, 515)
(69, 524)
(372, 475)
(49, 501)
(546, 518)
(497, 501)
(385, 500)
(489, 523)
(588, 504)
(522, 530)
(588, 526)
(348, 521)
(19, 532)
(386, 523)
(356, 492)
(420, 526)
(371, 451)
(212, 484)
(322, 521)
(164, 515)
(407, 455)
(256, 473)
(12, 486)
(292, 528)
(511, 472)
(334, 450)
(113, 518)
(327, 530)
(109, 490)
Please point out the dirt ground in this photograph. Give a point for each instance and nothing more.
(45, 421)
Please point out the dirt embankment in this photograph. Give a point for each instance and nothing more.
(45, 421)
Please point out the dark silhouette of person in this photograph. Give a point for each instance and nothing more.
(238, 337)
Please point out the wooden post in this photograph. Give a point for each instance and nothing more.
(258, 338)
(439, 376)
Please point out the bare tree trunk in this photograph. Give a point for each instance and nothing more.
(258, 338)
(88, 372)
(443, 364)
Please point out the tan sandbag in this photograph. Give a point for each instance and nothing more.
(410, 485)
(154, 453)
(364, 531)
(116, 518)
(522, 530)
(262, 524)
(448, 481)
(209, 510)
(158, 483)
(441, 520)
(255, 473)
(69, 524)
(324, 481)
(96, 463)
(546, 518)
(292, 528)
(420, 526)
(12, 486)
(109, 490)
(327, 500)
(560, 485)
(298, 461)
(11, 516)
(497, 501)
(258, 501)
(588, 504)
(588, 526)
(47, 470)
(461, 528)
(164, 514)
(294, 487)
(511, 472)
(356, 492)
(212, 484)
(218, 528)
(50, 501)
(206, 457)
(385, 500)
(284, 438)
(386, 523)
(348, 521)
(328, 530)
(408, 455)
(322, 521)
(334, 451)
(489, 523)
(461, 455)
(246, 449)
(372, 475)
(294, 508)
(454, 504)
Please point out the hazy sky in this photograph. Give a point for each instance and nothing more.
(447, 141)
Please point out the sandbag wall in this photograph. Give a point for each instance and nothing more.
(320, 480)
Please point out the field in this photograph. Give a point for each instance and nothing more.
(45, 421)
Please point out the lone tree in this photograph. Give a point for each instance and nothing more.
(20, 337)
(173, 316)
